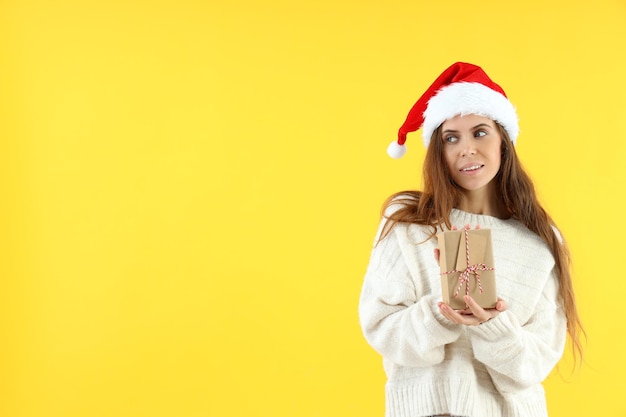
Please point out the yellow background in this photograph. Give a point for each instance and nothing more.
(190, 190)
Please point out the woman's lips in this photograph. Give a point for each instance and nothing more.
(471, 168)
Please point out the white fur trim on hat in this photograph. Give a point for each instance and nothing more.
(463, 98)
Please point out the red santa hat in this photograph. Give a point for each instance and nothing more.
(460, 90)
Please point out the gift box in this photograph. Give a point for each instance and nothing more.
(467, 267)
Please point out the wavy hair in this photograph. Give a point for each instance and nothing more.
(517, 194)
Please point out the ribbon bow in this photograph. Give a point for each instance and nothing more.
(469, 270)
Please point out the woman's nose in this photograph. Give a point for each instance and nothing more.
(467, 147)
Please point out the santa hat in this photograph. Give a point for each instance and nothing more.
(460, 90)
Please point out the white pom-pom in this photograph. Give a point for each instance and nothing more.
(395, 150)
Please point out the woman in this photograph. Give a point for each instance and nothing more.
(474, 362)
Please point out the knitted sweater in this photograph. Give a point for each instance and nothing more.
(434, 366)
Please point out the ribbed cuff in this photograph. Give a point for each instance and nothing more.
(495, 329)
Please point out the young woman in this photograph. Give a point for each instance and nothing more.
(474, 362)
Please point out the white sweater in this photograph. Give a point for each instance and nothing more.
(434, 366)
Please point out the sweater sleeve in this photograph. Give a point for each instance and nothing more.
(520, 356)
(402, 325)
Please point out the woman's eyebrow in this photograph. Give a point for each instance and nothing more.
(482, 125)
(473, 128)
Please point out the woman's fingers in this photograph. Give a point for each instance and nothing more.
(457, 316)
(474, 314)
(476, 310)
(449, 313)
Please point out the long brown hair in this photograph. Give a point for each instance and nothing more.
(517, 193)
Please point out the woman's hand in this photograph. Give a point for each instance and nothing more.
(474, 314)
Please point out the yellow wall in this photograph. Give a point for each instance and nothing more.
(189, 192)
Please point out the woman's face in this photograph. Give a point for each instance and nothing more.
(472, 150)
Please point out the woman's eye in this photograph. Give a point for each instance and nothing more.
(451, 139)
(480, 133)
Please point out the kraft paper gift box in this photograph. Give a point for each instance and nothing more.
(459, 279)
